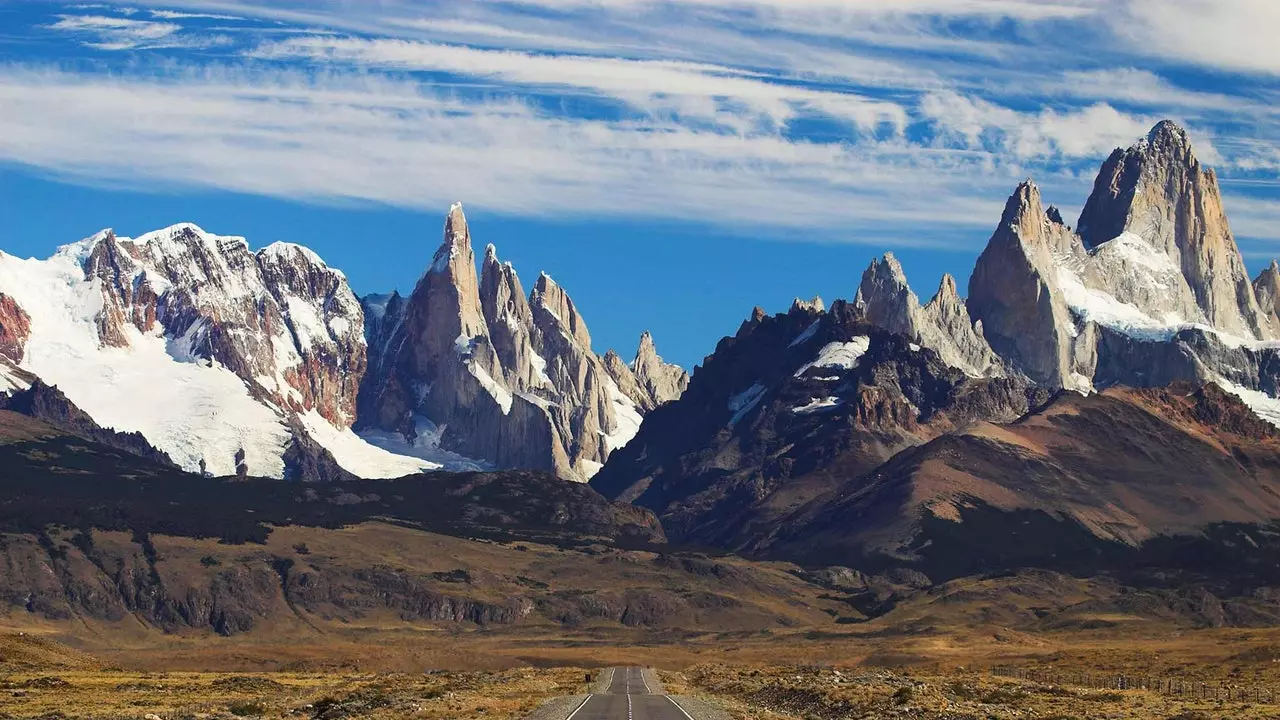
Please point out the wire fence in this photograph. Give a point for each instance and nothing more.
(1165, 685)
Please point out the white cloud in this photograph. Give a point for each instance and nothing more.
(357, 137)
(1236, 35)
(115, 33)
(654, 86)
(979, 124)
(119, 33)
(175, 15)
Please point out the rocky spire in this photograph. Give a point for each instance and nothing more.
(811, 306)
(510, 322)
(1014, 290)
(1267, 289)
(554, 311)
(444, 310)
(661, 381)
(958, 340)
(1157, 190)
(887, 301)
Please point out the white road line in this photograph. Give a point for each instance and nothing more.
(628, 707)
(682, 710)
(612, 672)
(646, 682)
(579, 709)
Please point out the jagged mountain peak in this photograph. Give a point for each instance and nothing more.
(816, 305)
(887, 300)
(1166, 136)
(1157, 191)
(558, 311)
(1267, 289)
(455, 253)
(947, 291)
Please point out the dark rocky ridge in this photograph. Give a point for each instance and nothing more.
(727, 484)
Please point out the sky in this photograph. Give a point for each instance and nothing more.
(671, 164)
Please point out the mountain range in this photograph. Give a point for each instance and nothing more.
(261, 363)
(1099, 388)
(1096, 389)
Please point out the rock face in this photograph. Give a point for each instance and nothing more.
(1014, 290)
(943, 325)
(1158, 191)
(1267, 288)
(15, 328)
(498, 376)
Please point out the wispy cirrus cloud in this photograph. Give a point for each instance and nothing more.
(116, 33)
(354, 137)
(858, 119)
(654, 86)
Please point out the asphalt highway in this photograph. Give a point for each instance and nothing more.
(628, 698)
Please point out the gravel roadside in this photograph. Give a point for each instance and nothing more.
(701, 710)
(558, 709)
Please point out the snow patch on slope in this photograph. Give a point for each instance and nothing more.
(1262, 404)
(839, 355)
(817, 405)
(627, 416)
(491, 386)
(808, 333)
(358, 456)
(425, 446)
(744, 402)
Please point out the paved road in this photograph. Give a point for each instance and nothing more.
(628, 698)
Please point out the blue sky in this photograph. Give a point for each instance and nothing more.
(671, 163)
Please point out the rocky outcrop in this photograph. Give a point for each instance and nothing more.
(15, 328)
(1158, 191)
(660, 382)
(511, 380)
(943, 325)
(1267, 289)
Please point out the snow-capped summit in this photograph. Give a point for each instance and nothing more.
(209, 350)
(1150, 290)
(1158, 191)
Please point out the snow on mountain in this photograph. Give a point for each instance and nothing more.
(223, 358)
(194, 412)
(843, 355)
